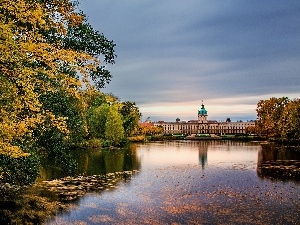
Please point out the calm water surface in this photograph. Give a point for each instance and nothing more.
(185, 182)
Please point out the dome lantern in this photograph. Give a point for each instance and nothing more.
(202, 114)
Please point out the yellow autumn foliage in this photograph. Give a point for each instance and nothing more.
(30, 66)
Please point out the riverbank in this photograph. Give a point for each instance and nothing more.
(199, 137)
(97, 143)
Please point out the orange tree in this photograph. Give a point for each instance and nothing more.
(251, 130)
(268, 116)
(279, 118)
(149, 130)
(289, 124)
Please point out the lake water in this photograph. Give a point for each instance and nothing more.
(186, 182)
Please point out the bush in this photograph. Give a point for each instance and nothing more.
(94, 143)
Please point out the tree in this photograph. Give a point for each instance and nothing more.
(251, 130)
(289, 124)
(150, 130)
(268, 114)
(48, 51)
(97, 117)
(67, 107)
(279, 118)
(44, 45)
(131, 116)
(114, 131)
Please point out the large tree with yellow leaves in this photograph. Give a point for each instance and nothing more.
(48, 51)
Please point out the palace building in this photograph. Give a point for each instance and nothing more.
(204, 126)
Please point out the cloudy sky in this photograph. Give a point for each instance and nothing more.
(173, 54)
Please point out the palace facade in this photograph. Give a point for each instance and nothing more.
(204, 126)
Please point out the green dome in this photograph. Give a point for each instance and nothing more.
(202, 111)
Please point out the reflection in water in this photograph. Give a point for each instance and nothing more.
(95, 162)
(204, 152)
(203, 147)
(279, 162)
(172, 188)
(169, 189)
(98, 170)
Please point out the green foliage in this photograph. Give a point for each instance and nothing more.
(105, 143)
(20, 171)
(114, 131)
(98, 111)
(53, 142)
(96, 119)
(64, 106)
(97, 143)
(131, 116)
(99, 100)
(94, 143)
(84, 38)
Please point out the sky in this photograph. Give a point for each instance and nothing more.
(172, 54)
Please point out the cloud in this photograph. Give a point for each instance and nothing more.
(174, 54)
